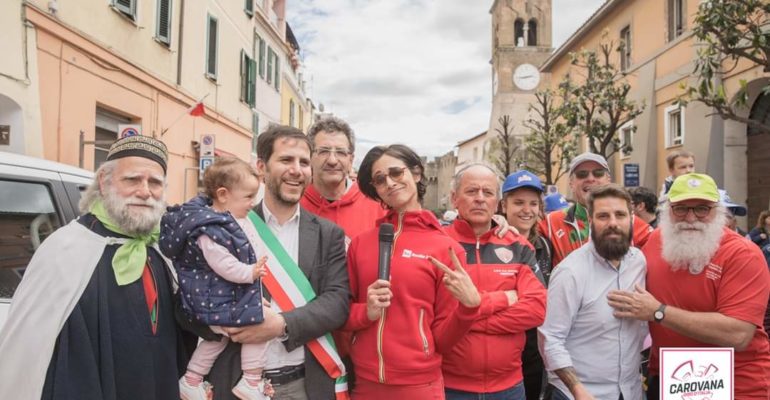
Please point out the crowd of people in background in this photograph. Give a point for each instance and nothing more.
(513, 294)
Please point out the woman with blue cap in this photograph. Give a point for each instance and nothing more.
(522, 205)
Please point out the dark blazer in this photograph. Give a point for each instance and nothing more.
(322, 258)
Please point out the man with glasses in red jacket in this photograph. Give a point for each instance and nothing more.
(487, 360)
(332, 194)
(335, 196)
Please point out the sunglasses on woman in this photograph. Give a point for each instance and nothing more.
(395, 173)
(597, 173)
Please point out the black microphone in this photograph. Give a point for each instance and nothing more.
(386, 248)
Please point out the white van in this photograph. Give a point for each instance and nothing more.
(36, 197)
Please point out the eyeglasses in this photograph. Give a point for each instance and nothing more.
(699, 211)
(597, 173)
(395, 173)
(326, 151)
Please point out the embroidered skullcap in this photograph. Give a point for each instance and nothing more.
(140, 146)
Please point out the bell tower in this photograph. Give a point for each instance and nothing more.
(521, 42)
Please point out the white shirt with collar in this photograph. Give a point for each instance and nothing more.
(288, 235)
(580, 330)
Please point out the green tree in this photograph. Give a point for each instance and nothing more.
(503, 147)
(596, 105)
(550, 144)
(728, 32)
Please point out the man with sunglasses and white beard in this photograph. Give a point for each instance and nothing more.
(568, 229)
(707, 286)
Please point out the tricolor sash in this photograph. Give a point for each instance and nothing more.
(291, 289)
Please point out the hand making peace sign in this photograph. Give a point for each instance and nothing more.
(458, 282)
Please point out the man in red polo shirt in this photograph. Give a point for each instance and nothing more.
(708, 287)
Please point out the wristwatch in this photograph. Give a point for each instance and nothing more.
(660, 313)
(285, 335)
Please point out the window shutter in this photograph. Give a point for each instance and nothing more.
(291, 112)
(277, 73)
(244, 77)
(248, 7)
(270, 57)
(255, 131)
(164, 22)
(252, 84)
(127, 7)
(261, 57)
(211, 46)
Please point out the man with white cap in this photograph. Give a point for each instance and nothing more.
(569, 229)
(706, 287)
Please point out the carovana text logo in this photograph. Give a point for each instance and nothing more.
(695, 383)
(696, 373)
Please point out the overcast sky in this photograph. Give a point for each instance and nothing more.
(407, 71)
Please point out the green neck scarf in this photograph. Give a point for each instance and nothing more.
(128, 262)
(581, 220)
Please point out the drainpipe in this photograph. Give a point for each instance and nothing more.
(181, 41)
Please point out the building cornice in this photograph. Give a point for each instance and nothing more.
(82, 42)
(462, 142)
(584, 29)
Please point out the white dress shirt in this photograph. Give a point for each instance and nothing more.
(288, 235)
(580, 330)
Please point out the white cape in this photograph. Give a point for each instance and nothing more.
(54, 281)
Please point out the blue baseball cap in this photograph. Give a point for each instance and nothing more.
(736, 209)
(554, 202)
(520, 179)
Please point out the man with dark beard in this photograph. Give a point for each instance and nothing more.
(588, 352)
(311, 250)
(708, 287)
(93, 317)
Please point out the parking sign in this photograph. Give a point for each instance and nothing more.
(204, 163)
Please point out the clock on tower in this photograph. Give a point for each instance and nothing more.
(521, 42)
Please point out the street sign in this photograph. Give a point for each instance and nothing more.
(631, 175)
(126, 130)
(204, 163)
(207, 145)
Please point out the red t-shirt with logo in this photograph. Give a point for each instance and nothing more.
(736, 283)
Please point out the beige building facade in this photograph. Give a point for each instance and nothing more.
(88, 70)
(657, 63)
(472, 150)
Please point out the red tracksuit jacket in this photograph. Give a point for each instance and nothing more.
(488, 358)
(423, 320)
(354, 212)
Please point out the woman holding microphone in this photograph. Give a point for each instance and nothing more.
(402, 325)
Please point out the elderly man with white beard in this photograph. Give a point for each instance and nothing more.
(93, 317)
(706, 287)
